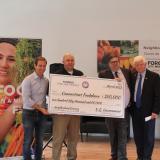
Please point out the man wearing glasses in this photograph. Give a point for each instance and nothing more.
(117, 127)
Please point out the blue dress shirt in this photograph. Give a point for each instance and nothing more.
(34, 91)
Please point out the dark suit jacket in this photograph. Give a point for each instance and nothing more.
(64, 72)
(108, 74)
(150, 99)
(54, 67)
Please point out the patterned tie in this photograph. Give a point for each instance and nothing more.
(139, 92)
(116, 74)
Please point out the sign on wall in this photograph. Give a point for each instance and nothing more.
(127, 50)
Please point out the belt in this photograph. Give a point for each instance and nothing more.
(32, 111)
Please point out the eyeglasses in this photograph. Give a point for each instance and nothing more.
(113, 62)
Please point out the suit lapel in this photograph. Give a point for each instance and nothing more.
(126, 76)
(134, 79)
(145, 83)
(110, 74)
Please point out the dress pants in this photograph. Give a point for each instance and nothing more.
(144, 134)
(117, 128)
(65, 126)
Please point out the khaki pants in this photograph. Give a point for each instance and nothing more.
(65, 126)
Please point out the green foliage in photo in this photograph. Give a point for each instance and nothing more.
(26, 52)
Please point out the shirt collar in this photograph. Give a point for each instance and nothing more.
(118, 71)
(143, 73)
(70, 72)
(36, 76)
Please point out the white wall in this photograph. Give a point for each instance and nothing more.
(72, 25)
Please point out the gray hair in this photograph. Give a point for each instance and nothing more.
(68, 54)
(139, 59)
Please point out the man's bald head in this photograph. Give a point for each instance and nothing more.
(68, 61)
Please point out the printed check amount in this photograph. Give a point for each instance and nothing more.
(87, 96)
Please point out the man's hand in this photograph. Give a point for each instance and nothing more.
(44, 111)
(154, 116)
(118, 79)
(41, 109)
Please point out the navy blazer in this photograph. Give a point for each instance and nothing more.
(150, 99)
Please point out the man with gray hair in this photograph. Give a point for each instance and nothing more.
(145, 107)
(66, 124)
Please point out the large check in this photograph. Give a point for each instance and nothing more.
(86, 96)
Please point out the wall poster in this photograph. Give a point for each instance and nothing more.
(127, 50)
(16, 61)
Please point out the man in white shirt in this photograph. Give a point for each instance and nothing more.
(117, 127)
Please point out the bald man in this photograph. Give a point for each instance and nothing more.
(66, 124)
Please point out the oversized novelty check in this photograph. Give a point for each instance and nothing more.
(86, 96)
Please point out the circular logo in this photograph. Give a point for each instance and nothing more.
(9, 90)
(85, 84)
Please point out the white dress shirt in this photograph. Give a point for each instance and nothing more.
(127, 91)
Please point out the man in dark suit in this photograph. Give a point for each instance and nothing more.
(117, 127)
(66, 124)
(145, 103)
